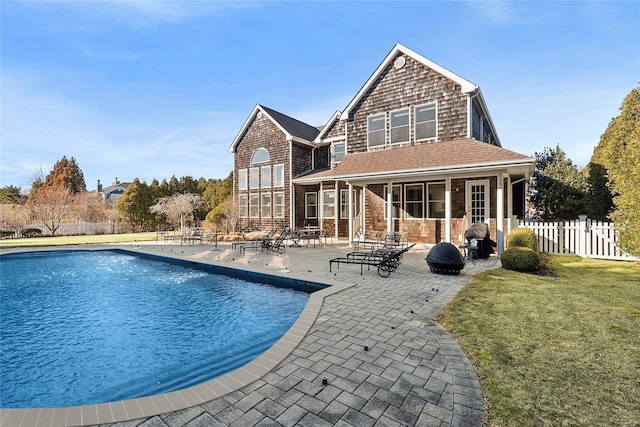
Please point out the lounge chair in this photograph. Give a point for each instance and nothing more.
(278, 244)
(255, 244)
(386, 261)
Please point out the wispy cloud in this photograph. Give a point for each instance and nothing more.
(493, 11)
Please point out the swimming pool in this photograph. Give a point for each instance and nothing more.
(104, 304)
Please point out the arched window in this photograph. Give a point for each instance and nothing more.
(261, 155)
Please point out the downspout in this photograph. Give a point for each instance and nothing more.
(470, 114)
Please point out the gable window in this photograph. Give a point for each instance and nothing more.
(242, 179)
(278, 205)
(266, 205)
(399, 126)
(413, 201)
(254, 200)
(436, 200)
(243, 206)
(266, 176)
(396, 192)
(328, 204)
(376, 132)
(254, 178)
(311, 205)
(278, 175)
(425, 117)
(261, 155)
(339, 150)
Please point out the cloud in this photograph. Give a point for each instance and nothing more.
(493, 11)
(91, 16)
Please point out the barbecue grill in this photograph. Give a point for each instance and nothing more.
(445, 258)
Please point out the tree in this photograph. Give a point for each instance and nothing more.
(178, 208)
(50, 205)
(10, 194)
(133, 206)
(558, 191)
(618, 153)
(66, 174)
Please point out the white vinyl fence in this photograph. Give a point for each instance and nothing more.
(79, 228)
(583, 237)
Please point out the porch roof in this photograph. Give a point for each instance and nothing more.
(464, 157)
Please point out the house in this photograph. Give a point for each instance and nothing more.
(112, 192)
(414, 151)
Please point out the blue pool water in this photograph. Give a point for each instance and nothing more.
(81, 327)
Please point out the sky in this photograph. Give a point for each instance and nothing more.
(151, 89)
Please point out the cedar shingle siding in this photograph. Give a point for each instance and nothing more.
(461, 144)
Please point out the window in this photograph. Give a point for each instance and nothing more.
(311, 205)
(425, 116)
(266, 205)
(278, 175)
(266, 176)
(344, 203)
(243, 207)
(413, 201)
(376, 133)
(253, 206)
(261, 155)
(436, 200)
(400, 126)
(396, 193)
(339, 150)
(278, 205)
(254, 178)
(242, 179)
(328, 204)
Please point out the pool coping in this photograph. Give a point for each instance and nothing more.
(126, 410)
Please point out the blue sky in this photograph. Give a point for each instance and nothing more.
(160, 88)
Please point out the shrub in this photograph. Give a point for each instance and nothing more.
(519, 258)
(30, 232)
(523, 237)
(7, 233)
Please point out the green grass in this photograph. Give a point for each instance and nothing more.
(561, 349)
(77, 240)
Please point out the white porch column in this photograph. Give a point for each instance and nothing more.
(389, 198)
(510, 224)
(320, 204)
(447, 210)
(292, 203)
(351, 213)
(336, 208)
(363, 210)
(500, 214)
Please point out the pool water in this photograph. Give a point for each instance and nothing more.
(83, 327)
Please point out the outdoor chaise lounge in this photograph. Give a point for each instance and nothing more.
(386, 260)
(254, 244)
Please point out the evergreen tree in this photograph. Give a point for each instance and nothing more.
(559, 191)
(133, 206)
(618, 153)
(66, 174)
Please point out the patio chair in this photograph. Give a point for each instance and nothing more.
(386, 261)
(256, 244)
(278, 244)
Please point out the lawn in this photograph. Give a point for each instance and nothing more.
(553, 350)
(76, 240)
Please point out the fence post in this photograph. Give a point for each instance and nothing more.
(582, 236)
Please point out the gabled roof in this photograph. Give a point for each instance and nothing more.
(294, 129)
(443, 158)
(112, 188)
(466, 85)
(326, 127)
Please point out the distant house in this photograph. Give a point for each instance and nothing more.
(114, 191)
(415, 151)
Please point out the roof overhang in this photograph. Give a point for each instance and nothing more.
(515, 168)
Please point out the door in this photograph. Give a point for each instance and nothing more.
(477, 201)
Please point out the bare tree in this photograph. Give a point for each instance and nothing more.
(231, 212)
(178, 208)
(50, 205)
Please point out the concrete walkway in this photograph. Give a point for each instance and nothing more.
(385, 360)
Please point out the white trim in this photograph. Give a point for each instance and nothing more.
(327, 126)
(487, 198)
(415, 121)
(447, 210)
(270, 214)
(306, 205)
(384, 129)
(273, 176)
(262, 180)
(428, 211)
(404, 204)
(257, 195)
(275, 193)
(500, 214)
(387, 211)
(465, 85)
(246, 205)
(391, 127)
(243, 173)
